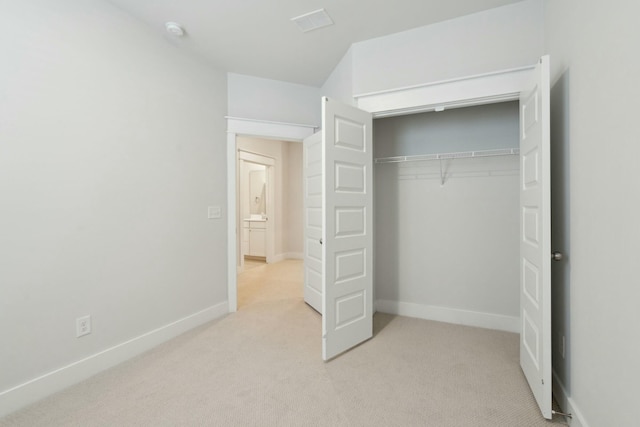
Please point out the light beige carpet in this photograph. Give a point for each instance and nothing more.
(262, 366)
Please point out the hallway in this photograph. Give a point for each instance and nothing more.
(262, 282)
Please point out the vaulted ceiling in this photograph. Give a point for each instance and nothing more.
(257, 37)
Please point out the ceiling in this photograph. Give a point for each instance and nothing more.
(257, 37)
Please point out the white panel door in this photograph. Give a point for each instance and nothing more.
(535, 236)
(347, 285)
(312, 172)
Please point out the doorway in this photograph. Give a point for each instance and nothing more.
(446, 202)
(261, 283)
(269, 217)
(278, 146)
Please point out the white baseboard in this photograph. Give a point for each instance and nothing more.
(567, 404)
(47, 384)
(450, 315)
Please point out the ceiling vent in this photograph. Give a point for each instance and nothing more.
(313, 20)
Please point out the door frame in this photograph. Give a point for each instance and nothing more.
(259, 129)
(480, 89)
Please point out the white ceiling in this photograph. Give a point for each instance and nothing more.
(256, 37)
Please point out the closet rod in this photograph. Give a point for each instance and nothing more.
(445, 156)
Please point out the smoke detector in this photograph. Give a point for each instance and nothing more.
(174, 29)
(313, 20)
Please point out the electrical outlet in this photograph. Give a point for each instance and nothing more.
(83, 326)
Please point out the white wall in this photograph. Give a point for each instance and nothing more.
(596, 201)
(272, 100)
(488, 127)
(443, 249)
(501, 38)
(113, 146)
(339, 85)
(288, 194)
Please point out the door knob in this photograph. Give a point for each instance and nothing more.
(556, 256)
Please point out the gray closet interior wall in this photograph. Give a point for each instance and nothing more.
(455, 245)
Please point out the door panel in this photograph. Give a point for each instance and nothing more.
(535, 236)
(312, 170)
(347, 292)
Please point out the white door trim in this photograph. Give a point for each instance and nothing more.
(267, 129)
(257, 128)
(256, 158)
(480, 89)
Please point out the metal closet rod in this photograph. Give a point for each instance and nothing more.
(446, 156)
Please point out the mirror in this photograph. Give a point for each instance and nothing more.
(257, 192)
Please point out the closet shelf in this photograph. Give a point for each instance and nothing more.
(446, 156)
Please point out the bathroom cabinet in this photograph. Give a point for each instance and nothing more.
(254, 237)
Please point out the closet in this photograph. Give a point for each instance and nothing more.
(446, 203)
(462, 212)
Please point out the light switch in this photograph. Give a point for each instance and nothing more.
(213, 212)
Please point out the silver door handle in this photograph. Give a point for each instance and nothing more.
(557, 256)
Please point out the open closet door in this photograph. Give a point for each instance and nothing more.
(535, 236)
(312, 171)
(347, 199)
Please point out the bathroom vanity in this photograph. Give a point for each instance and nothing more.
(254, 233)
